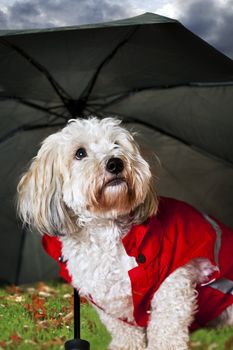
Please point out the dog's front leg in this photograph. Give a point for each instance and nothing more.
(172, 311)
(124, 336)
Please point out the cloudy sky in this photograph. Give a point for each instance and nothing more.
(210, 19)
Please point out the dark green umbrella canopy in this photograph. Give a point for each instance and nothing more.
(151, 71)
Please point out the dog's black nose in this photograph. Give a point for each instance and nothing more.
(115, 166)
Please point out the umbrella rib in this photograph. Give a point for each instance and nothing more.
(34, 105)
(126, 119)
(126, 94)
(87, 91)
(27, 127)
(58, 89)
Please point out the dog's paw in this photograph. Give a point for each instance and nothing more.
(128, 338)
(126, 348)
(176, 343)
(133, 344)
(202, 270)
(170, 346)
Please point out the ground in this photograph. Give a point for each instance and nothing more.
(40, 317)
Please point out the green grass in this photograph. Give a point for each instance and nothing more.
(40, 317)
(46, 325)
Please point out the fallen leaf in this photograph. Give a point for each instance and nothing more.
(38, 306)
(229, 344)
(67, 296)
(2, 343)
(56, 341)
(51, 323)
(68, 317)
(13, 289)
(195, 344)
(42, 325)
(29, 341)
(91, 326)
(44, 294)
(42, 287)
(16, 338)
(16, 298)
(31, 290)
(83, 300)
(28, 307)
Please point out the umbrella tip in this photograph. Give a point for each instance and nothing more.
(76, 107)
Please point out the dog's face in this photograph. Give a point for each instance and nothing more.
(91, 168)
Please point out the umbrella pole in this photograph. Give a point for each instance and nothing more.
(77, 343)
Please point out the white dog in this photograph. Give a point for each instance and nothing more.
(150, 267)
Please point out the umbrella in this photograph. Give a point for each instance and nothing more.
(151, 71)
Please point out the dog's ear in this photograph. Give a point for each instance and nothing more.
(40, 203)
(149, 207)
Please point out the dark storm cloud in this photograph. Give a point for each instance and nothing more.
(3, 20)
(225, 39)
(41, 13)
(84, 11)
(23, 15)
(212, 21)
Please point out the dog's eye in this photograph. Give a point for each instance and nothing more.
(81, 153)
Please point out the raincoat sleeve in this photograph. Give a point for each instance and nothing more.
(198, 237)
(53, 247)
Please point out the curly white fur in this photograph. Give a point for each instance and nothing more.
(92, 208)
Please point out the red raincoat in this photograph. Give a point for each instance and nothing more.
(165, 242)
